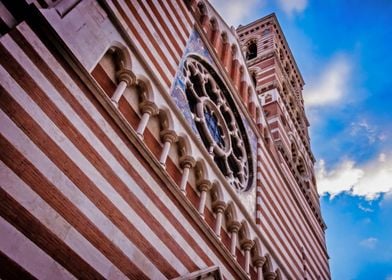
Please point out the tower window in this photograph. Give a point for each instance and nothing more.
(251, 52)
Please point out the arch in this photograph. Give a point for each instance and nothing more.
(184, 146)
(214, 24)
(294, 152)
(234, 51)
(231, 213)
(301, 167)
(145, 85)
(253, 76)
(278, 274)
(251, 49)
(165, 118)
(202, 12)
(216, 192)
(256, 249)
(201, 170)
(244, 233)
(121, 55)
(224, 36)
(267, 267)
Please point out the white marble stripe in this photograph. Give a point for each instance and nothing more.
(84, 164)
(182, 27)
(159, 39)
(292, 223)
(169, 24)
(65, 186)
(29, 255)
(151, 48)
(127, 154)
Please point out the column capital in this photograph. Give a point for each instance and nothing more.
(126, 76)
(187, 161)
(234, 226)
(149, 107)
(219, 206)
(246, 244)
(270, 275)
(259, 261)
(204, 185)
(168, 135)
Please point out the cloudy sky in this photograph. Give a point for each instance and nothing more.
(343, 48)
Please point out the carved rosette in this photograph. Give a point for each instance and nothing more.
(218, 122)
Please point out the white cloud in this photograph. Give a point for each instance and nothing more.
(369, 243)
(236, 12)
(293, 6)
(332, 84)
(389, 277)
(368, 180)
(364, 129)
(365, 209)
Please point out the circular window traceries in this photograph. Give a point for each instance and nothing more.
(218, 122)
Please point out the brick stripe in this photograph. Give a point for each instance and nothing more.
(185, 27)
(170, 18)
(79, 179)
(51, 194)
(185, 11)
(152, 40)
(169, 34)
(112, 148)
(142, 43)
(157, 28)
(277, 198)
(101, 165)
(144, 186)
(27, 224)
(11, 270)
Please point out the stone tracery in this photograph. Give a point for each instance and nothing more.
(218, 122)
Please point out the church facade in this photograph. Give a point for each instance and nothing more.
(150, 140)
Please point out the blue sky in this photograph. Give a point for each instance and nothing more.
(343, 49)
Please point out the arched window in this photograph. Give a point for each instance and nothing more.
(251, 51)
(218, 122)
(254, 80)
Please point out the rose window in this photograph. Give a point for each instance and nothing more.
(218, 122)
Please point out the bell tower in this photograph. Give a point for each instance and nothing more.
(279, 85)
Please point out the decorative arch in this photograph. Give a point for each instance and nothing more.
(267, 267)
(216, 192)
(121, 55)
(184, 146)
(201, 170)
(231, 213)
(244, 233)
(165, 118)
(145, 87)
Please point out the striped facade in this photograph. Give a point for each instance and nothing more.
(102, 175)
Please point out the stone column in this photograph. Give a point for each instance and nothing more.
(126, 78)
(234, 227)
(270, 275)
(258, 262)
(148, 109)
(186, 163)
(203, 186)
(246, 245)
(168, 137)
(218, 207)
